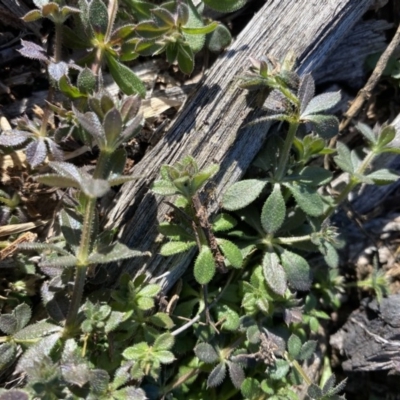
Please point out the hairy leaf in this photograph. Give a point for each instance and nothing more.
(308, 199)
(225, 6)
(219, 39)
(367, 132)
(231, 252)
(8, 351)
(113, 252)
(217, 375)
(274, 211)
(242, 193)
(206, 353)
(57, 70)
(306, 91)
(223, 222)
(37, 330)
(236, 374)
(323, 102)
(164, 342)
(33, 51)
(297, 270)
(307, 350)
(326, 126)
(98, 16)
(36, 152)
(274, 273)
(204, 266)
(294, 346)
(126, 79)
(171, 248)
(29, 359)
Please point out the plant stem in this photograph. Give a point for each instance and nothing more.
(82, 265)
(85, 246)
(286, 151)
(290, 240)
(353, 182)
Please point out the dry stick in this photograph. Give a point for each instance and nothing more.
(365, 93)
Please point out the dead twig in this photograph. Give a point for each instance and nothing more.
(365, 93)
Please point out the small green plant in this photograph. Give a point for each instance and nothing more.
(273, 221)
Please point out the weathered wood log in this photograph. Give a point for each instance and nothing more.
(213, 126)
(369, 338)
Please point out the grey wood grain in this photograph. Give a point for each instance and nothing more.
(212, 126)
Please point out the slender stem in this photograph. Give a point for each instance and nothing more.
(353, 182)
(300, 370)
(50, 95)
(290, 240)
(286, 150)
(58, 43)
(198, 316)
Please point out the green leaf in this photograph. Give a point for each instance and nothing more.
(175, 232)
(223, 222)
(164, 188)
(219, 39)
(203, 176)
(7, 353)
(250, 388)
(274, 273)
(231, 252)
(28, 361)
(274, 211)
(204, 266)
(323, 102)
(206, 353)
(37, 330)
(307, 350)
(86, 81)
(203, 30)
(343, 159)
(23, 314)
(113, 252)
(314, 391)
(171, 248)
(367, 132)
(196, 42)
(150, 290)
(225, 6)
(231, 317)
(165, 357)
(112, 124)
(150, 30)
(126, 79)
(164, 342)
(236, 374)
(325, 126)
(315, 176)
(113, 321)
(383, 177)
(386, 136)
(279, 370)
(136, 351)
(162, 320)
(297, 270)
(98, 16)
(307, 198)
(69, 90)
(217, 375)
(242, 193)
(185, 58)
(31, 16)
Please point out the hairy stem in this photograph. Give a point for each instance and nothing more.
(86, 244)
(353, 182)
(50, 95)
(280, 172)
